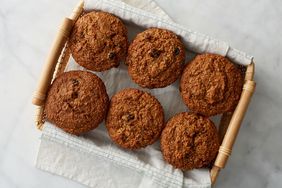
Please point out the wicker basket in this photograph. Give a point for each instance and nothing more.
(59, 57)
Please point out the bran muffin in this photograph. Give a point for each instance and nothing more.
(98, 41)
(77, 102)
(211, 85)
(155, 58)
(189, 141)
(135, 119)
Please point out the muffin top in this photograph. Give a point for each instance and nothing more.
(135, 119)
(98, 41)
(211, 85)
(77, 102)
(189, 141)
(155, 58)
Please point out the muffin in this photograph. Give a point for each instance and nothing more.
(211, 85)
(189, 141)
(155, 58)
(135, 119)
(98, 41)
(77, 102)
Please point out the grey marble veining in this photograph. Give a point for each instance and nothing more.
(26, 32)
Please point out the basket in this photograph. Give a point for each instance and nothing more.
(58, 59)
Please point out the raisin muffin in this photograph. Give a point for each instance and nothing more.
(211, 85)
(98, 41)
(77, 102)
(155, 58)
(135, 119)
(189, 141)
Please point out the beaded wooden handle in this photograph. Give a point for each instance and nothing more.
(235, 123)
(60, 67)
(52, 59)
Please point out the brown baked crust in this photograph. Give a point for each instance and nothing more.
(211, 85)
(77, 102)
(98, 41)
(135, 119)
(189, 141)
(155, 58)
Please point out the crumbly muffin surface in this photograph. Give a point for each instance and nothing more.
(98, 41)
(189, 141)
(135, 119)
(77, 102)
(211, 85)
(155, 58)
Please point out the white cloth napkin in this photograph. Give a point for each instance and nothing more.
(95, 161)
(92, 159)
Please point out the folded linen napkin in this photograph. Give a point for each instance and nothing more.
(92, 159)
(95, 161)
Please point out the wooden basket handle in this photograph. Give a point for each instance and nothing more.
(235, 123)
(52, 59)
(53, 66)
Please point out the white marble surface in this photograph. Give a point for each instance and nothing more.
(26, 32)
